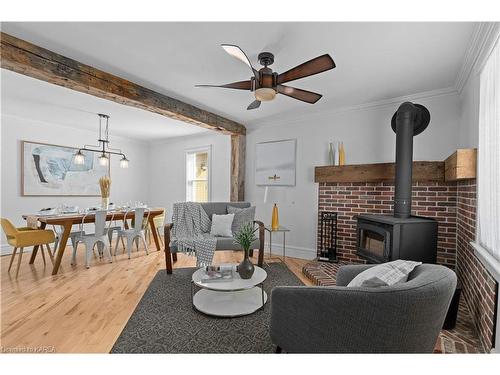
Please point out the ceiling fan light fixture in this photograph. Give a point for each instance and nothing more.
(265, 94)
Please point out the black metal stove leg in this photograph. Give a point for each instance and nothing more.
(278, 349)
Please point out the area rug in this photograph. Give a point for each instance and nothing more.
(165, 322)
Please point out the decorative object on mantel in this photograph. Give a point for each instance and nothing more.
(49, 170)
(244, 237)
(327, 246)
(341, 153)
(275, 163)
(102, 148)
(275, 222)
(105, 185)
(331, 154)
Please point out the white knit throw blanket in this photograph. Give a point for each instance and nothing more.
(191, 231)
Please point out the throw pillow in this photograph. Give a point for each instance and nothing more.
(241, 216)
(385, 274)
(221, 225)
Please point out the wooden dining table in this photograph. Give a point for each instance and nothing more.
(66, 221)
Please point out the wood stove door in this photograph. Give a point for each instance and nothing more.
(373, 242)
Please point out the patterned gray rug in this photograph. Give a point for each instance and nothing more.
(165, 322)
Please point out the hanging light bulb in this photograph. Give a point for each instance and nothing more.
(79, 158)
(124, 162)
(103, 160)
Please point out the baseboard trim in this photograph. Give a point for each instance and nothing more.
(7, 250)
(291, 251)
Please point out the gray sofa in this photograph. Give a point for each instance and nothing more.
(405, 318)
(223, 243)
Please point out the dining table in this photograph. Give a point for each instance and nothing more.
(66, 221)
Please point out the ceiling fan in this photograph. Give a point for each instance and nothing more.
(265, 83)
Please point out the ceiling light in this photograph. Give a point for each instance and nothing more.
(102, 147)
(103, 160)
(124, 162)
(79, 158)
(265, 94)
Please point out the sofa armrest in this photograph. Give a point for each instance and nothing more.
(346, 273)
(166, 239)
(262, 236)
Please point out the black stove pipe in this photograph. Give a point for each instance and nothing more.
(409, 120)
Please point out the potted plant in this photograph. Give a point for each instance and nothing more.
(244, 237)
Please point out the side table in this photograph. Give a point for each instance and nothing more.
(281, 229)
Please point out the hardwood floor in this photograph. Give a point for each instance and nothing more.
(82, 310)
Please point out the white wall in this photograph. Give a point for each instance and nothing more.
(127, 184)
(469, 113)
(167, 168)
(367, 137)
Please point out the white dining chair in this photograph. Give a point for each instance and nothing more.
(99, 237)
(137, 232)
(72, 236)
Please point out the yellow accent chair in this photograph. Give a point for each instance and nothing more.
(22, 237)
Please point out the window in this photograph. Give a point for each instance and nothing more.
(198, 175)
(489, 156)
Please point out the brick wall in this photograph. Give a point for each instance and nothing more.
(452, 204)
(430, 199)
(479, 287)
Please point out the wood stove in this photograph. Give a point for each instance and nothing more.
(383, 238)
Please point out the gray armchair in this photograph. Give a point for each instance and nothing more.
(223, 243)
(404, 318)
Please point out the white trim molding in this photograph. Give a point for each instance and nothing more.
(290, 251)
(317, 115)
(487, 260)
(483, 38)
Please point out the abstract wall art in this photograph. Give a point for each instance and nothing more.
(49, 170)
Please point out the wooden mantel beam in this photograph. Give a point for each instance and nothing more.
(37, 62)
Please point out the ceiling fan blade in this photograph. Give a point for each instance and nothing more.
(238, 53)
(241, 85)
(255, 104)
(305, 96)
(309, 68)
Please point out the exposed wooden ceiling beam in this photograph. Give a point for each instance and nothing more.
(37, 62)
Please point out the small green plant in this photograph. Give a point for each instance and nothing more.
(245, 236)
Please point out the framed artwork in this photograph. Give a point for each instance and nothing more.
(275, 163)
(49, 170)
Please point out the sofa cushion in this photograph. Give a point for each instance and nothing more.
(241, 216)
(220, 208)
(384, 274)
(221, 225)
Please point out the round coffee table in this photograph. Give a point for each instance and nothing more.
(231, 298)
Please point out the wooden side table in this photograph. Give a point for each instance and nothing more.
(281, 229)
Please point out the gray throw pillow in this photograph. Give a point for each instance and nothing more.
(384, 274)
(241, 216)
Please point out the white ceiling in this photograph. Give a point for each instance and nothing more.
(37, 100)
(375, 61)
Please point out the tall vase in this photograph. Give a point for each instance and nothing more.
(341, 154)
(246, 268)
(331, 154)
(104, 203)
(275, 222)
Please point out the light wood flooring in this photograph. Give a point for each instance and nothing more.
(82, 310)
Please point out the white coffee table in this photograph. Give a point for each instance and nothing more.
(235, 297)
